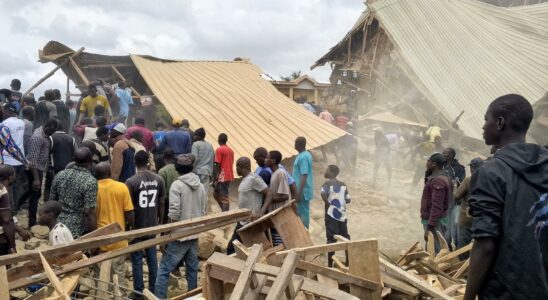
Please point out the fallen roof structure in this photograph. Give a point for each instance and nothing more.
(459, 55)
(220, 96)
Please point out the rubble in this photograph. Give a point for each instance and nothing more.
(41, 232)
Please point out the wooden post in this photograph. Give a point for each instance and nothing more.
(68, 90)
(246, 276)
(53, 71)
(363, 259)
(4, 288)
(80, 73)
(284, 277)
(291, 93)
(316, 95)
(124, 79)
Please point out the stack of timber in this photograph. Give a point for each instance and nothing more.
(436, 275)
(62, 266)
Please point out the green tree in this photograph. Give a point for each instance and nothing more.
(294, 75)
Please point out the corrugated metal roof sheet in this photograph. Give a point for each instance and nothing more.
(464, 53)
(468, 53)
(232, 97)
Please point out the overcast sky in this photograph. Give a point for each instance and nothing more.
(279, 36)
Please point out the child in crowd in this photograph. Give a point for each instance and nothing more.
(59, 234)
(8, 224)
(335, 196)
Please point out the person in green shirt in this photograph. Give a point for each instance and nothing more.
(169, 174)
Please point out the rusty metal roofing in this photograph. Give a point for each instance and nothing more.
(466, 53)
(231, 97)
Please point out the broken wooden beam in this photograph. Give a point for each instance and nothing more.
(454, 254)
(412, 280)
(341, 277)
(48, 75)
(246, 275)
(132, 248)
(224, 268)
(80, 73)
(285, 275)
(96, 242)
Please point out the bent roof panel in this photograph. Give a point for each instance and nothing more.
(465, 53)
(232, 97)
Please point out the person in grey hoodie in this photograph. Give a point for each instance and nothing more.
(506, 260)
(186, 201)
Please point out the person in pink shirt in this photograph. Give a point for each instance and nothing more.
(326, 116)
(148, 136)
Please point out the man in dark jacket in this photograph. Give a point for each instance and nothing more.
(457, 173)
(437, 195)
(506, 261)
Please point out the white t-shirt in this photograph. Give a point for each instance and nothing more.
(17, 131)
(90, 133)
(60, 235)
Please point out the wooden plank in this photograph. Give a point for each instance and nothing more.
(240, 249)
(430, 245)
(234, 265)
(400, 262)
(416, 255)
(442, 241)
(339, 264)
(48, 75)
(242, 285)
(433, 268)
(116, 287)
(318, 249)
(69, 282)
(462, 269)
(79, 71)
(452, 289)
(124, 79)
(149, 295)
(291, 229)
(53, 278)
(294, 287)
(4, 290)
(284, 276)
(124, 251)
(34, 267)
(253, 294)
(341, 277)
(105, 66)
(214, 289)
(109, 229)
(104, 278)
(188, 294)
(412, 279)
(79, 245)
(363, 261)
(266, 217)
(454, 254)
(398, 285)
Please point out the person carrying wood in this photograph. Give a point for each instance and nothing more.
(253, 193)
(506, 260)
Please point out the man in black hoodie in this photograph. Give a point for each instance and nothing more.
(506, 260)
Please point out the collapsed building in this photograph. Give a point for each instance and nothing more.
(221, 96)
(440, 62)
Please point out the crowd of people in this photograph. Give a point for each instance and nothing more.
(92, 170)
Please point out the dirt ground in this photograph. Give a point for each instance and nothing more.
(387, 213)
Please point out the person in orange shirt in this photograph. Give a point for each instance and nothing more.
(113, 206)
